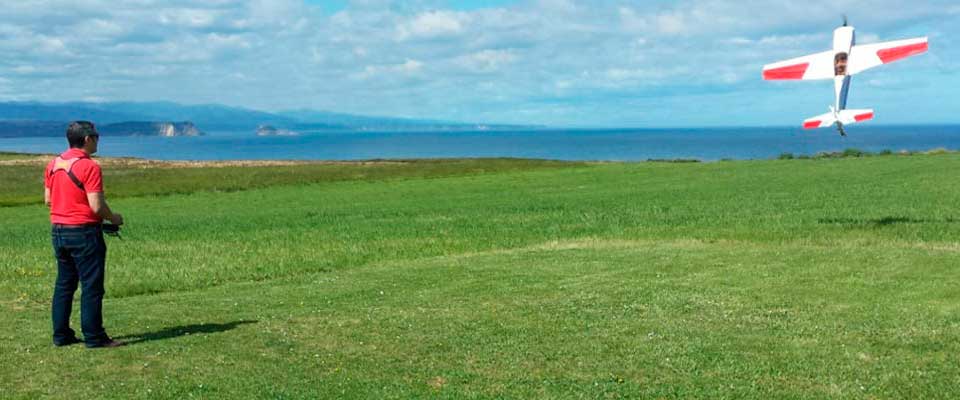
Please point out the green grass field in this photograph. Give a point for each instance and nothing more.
(781, 279)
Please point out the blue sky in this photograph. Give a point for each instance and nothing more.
(604, 63)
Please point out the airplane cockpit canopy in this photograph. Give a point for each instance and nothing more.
(840, 64)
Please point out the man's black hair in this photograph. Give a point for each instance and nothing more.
(78, 130)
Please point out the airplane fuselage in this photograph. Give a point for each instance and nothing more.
(843, 40)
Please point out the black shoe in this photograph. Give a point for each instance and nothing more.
(108, 344)
(67, 342)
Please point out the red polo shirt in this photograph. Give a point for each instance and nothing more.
(68, 204)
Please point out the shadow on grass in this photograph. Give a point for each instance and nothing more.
(177, 331)
(886, 221)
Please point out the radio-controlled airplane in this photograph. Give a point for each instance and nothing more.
(845, 60)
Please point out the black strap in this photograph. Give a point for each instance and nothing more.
(76, 181)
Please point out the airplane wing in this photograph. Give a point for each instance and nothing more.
(814, 66)
(866, 56)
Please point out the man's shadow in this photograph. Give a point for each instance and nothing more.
(183, 330)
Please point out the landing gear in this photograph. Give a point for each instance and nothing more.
(840, 129)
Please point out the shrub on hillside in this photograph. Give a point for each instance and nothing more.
(851, 152)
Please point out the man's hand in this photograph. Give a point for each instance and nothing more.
(99, 206)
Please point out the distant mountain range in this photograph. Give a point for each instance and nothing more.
(30, 128)
(20, 118)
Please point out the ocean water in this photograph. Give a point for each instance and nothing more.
(608, 144)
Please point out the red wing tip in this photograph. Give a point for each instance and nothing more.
(895, 53)
(863, 117)
(811, 124)
(795, 71)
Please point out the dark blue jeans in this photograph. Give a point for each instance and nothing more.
(81, 256)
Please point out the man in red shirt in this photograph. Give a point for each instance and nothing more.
(73, 189)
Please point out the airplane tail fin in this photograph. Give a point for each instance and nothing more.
(845, 117)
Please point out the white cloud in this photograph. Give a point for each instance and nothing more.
(140, 71)
(33, 44)
(487, 60)
(672, 23)
(406, 68)
(188, 17)
(100, 28)
(49, 44)
(433, 24)
(740, 41)
(24, 69)
(410, 66)
(51, 70)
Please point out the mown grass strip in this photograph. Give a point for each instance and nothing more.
(7, 156)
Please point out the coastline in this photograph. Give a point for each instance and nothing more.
(137, 162)
(570, 145)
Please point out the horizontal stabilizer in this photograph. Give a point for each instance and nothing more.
(846, 117)
(820, 121)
